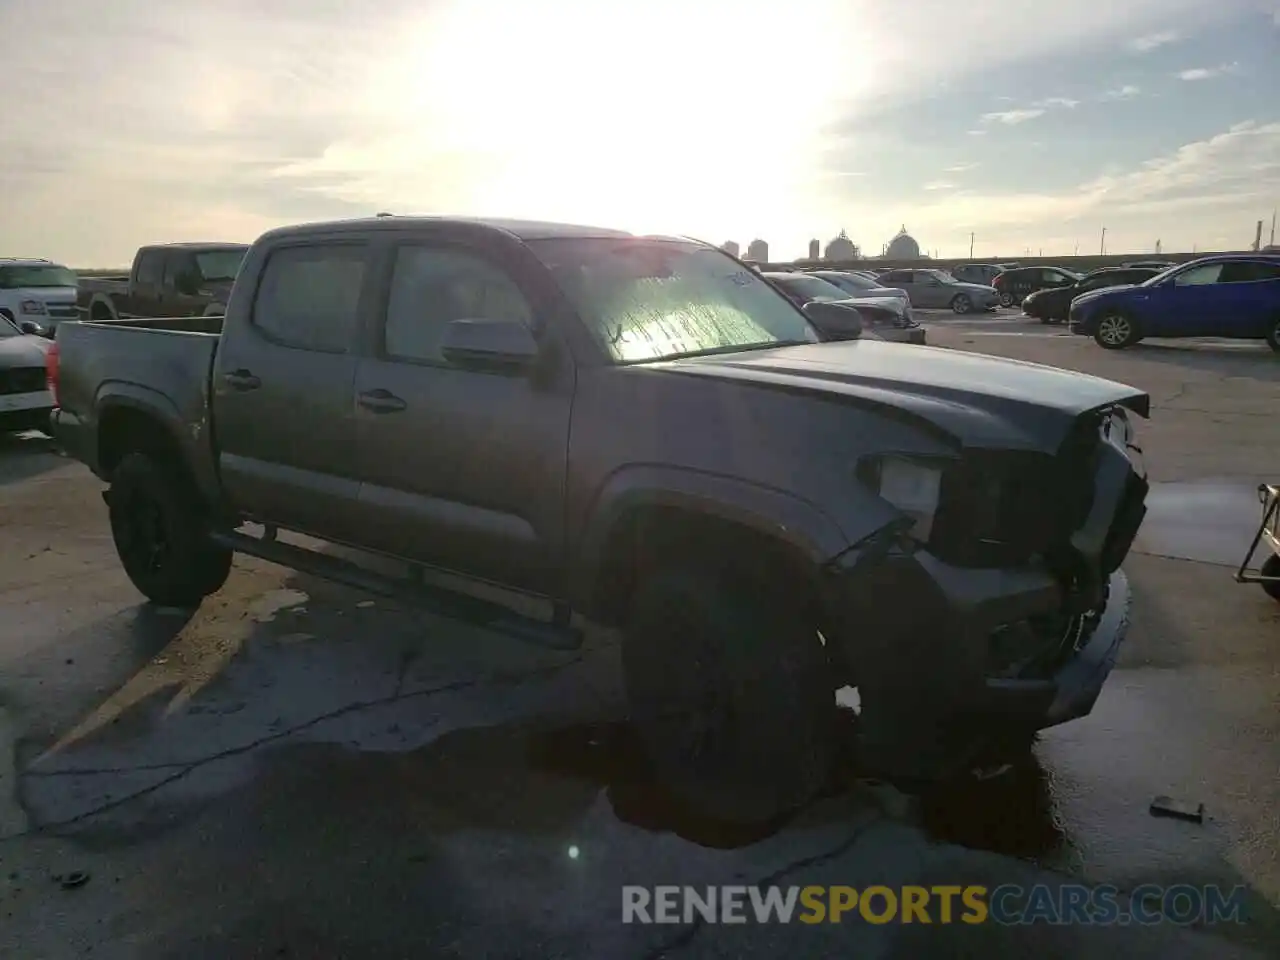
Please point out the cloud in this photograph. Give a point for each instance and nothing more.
(976, 133)
(1064, 102)
(1152, 41)
(1208, 73)
(1012, 117)
(1185, 194)
(960, 167)
(939, 185)
(1127, 92)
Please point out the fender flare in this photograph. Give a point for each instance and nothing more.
(792, 521)
(105, 300)
(118, 394)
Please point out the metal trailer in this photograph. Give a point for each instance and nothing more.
(1268, 574)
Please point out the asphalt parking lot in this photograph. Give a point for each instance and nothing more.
(295, 770)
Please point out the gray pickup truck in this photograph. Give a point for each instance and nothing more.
(644, 433)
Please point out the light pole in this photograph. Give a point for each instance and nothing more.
(1273, 236)
(1102, 248)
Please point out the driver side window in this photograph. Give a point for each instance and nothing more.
(1199, 276)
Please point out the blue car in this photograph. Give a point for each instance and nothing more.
(1229, 295)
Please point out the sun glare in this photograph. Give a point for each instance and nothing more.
(663, 117)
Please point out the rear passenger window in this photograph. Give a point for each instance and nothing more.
(432, 287)
(1246, 271)
(309, 297)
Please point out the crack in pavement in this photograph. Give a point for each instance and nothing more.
(686, 936)
(184, 768)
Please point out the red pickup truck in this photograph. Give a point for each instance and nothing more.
(167, 280)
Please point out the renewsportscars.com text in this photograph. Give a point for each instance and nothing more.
(1065, 904)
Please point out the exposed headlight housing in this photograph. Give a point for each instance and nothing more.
(911, 484)
(33, 307)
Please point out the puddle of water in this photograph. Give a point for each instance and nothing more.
(1211, 521)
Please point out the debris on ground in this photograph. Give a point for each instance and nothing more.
(1179, 809)
(72, 880)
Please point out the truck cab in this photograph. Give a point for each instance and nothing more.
(167, 280)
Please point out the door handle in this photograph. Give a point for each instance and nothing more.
(381, 401)
(241, 380)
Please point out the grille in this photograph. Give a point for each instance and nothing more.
(62, 311)
(22, 380)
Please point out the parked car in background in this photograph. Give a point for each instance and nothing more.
(25, 400)
(1054, 303)
(37, 294)
(937, 288)
(1153, 264)
(886, 318)
(979, 273)
(858, 284)
(1233, 295)
(646, 434)
(167, 280)
(1018, 283)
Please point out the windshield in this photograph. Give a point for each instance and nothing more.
(36, 275)
(852, 281)
(941, 275)
(658, 299)
(809, 287)
(220, 264)
(1161, 276)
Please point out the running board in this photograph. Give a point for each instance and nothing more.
(441, 601)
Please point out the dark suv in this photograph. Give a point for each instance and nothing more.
(1053, 303)
(1017, 284)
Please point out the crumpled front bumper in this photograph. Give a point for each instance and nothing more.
(916, 635)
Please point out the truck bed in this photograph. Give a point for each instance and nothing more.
(106, 364)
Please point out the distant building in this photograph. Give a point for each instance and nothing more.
(842, 249)
(731, 248)
(758, 251)
(903, 247)
(815, 249)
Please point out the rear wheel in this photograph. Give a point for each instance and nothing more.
(1116, 330)
(961, 304)
(730, 693)
(161, 531)
(1006, 300)
(1271, 568)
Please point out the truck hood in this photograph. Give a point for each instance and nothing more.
(975, 400)
(23, 351)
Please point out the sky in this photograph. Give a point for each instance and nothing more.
(1030, 125)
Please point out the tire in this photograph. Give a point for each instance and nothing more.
(1007, 300)
(1271, 568)
(730, 693)
(161, 532)
(1115, 331)
(961, 304)
(1273, 335)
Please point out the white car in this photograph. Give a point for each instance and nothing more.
(36, 295)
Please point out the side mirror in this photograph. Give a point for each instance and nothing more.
(31, 328)
(498, 345)
(833, 321)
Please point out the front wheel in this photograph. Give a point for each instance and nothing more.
(161, 531)
(1006, 300)
(1115, 331)
(1273, 335)
(961, 304)
(730, 693)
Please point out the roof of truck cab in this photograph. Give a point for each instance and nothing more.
(196, 245)
(521, 229)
